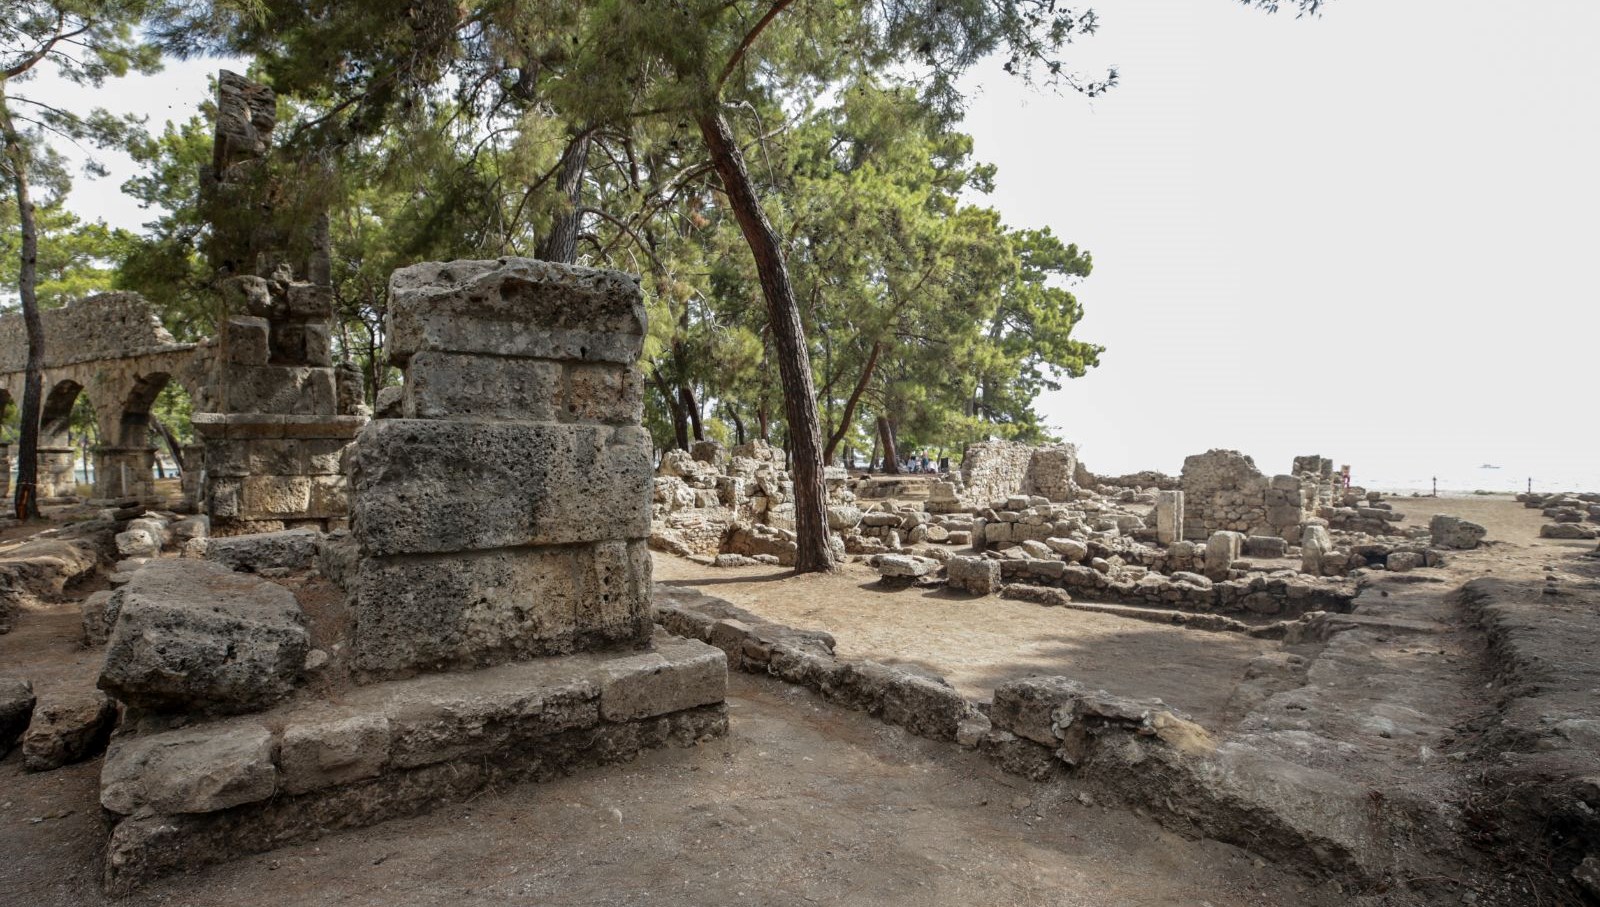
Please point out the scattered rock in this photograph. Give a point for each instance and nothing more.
(67, 728)
(16, 709)
(195, 636)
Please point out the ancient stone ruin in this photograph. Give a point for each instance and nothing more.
(272, 410)
(496, 622)
(112, 349)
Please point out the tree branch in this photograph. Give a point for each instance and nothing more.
(749, 39)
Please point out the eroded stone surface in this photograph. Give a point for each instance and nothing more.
(194, 635)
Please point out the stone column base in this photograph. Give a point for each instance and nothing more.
(219, 790)
(58, 481)
(265, 473)
(124, 473)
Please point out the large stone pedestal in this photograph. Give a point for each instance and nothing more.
(58, 480)
(124, 472)
(267, 472)
(498, 534)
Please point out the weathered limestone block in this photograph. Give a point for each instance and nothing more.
(903, 566)
(292, 549)
(1222, 549)
(1454, 532)
(1169, 517)
(977, 575)
(679, 675)
(1315, 546)
(16, 709)
(1265, 546)
(451, 385)
(319, 753)
(425, 486)
(196, 770)
(423, 613)
(193, 635)
(1402, 561)
(67, 728)
(516, 307)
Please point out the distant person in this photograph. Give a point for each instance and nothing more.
(924, 461)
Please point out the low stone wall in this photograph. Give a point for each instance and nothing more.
(993, 469)
(1282, 594)
(204, 794)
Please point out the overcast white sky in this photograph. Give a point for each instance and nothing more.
(1370, 235)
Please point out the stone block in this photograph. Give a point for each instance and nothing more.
(1265, 546)
(1454, 532)
(1026, 707)
(422, 486)
(193, 770)
(309, 301)
(285, 389)
(16, 709)
(516, 307)
(455, 386)
(292, 549)
(327, 752)
(470, 715)
(245, 340)
(421, 613)
(601, 392)
(274, 495)
(67, 728)
(977, 575)
(1169, 517)
(681, 674)
(1222, 549)
(194, 636)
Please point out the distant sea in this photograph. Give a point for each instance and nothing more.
(1511, 476)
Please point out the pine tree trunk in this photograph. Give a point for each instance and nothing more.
(561, 243)
(738, 423)
(692, 408)
(27, 492)
(788, 337)
(855, 398)
(891, 456)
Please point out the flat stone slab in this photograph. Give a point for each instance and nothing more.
(194, 636)
(214, 791)
(519, 307)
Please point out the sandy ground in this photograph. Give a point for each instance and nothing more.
(803, 803)
(978, 643)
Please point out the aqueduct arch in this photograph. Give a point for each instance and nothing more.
(112, 349)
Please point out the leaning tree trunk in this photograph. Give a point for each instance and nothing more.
(789, 340)
(561, 243)
(173, 447)
(692, 407)
(855, 398)
(738, 423)
(27, 499)
(891, 456)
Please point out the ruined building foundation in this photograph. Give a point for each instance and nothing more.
(499, 597)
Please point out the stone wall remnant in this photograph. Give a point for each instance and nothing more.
(274, 413)
(1224, 491)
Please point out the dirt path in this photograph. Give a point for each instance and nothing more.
(978, 643)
